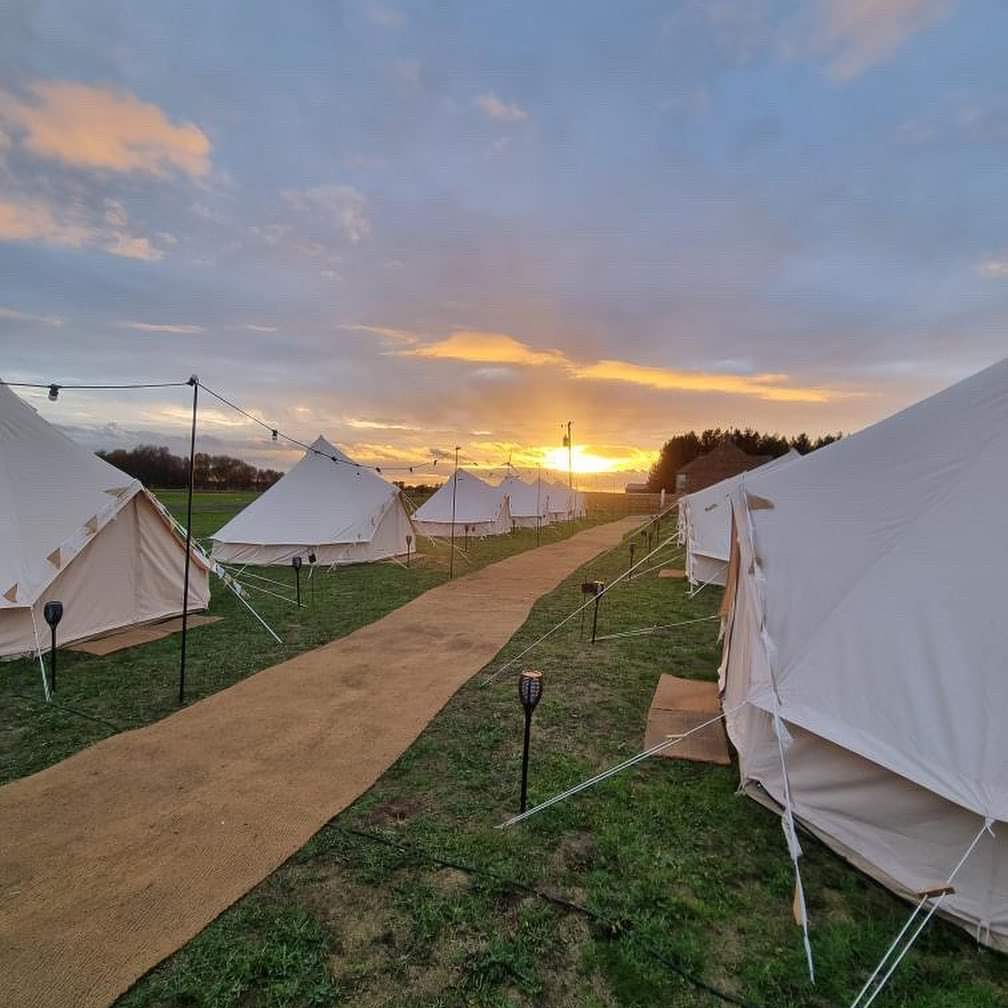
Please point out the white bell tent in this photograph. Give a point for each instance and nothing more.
(75, 529)
(565, 503)
(341, 512)
(864, 674)
(482, 508)
(528, 501)
(705, 525)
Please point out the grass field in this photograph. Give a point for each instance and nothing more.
(99, 696)
(406, 898)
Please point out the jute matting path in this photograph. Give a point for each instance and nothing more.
(122, 639)
(114, 858)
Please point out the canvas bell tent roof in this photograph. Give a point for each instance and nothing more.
(75, 529)
(482, 507)
(340, 512)
(705, 518)
(527, 501)
(866, 622)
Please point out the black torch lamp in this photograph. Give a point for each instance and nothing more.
(530, 689)
(409, 546)
(633, 549)
(296, 564)
(53, 613)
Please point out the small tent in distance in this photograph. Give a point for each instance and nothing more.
(75, 529)
(864, 647)
(705, 525)
(478, 507)
(528, 502)
(326, 505)
(565, 503)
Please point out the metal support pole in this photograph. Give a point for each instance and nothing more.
(451, 551)
(194, 381)
(525, 760)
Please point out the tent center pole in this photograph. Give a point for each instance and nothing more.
(194, 381)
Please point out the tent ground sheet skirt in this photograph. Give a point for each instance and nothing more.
(114, 858)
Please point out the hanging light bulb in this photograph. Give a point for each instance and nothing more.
(53, 393)
(274, 435)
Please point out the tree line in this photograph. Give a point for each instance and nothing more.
(683, 448)
(156, 466)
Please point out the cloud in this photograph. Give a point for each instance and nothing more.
(499, 349)
(72, 226)
(401, 336)
(20, 316)
(761, 386)
(486, 348)
(385, 17)
(493, 108)
(182, 328)
(359, 424)
(345, 203)
(101, 128)
(260, 328)
(862, 33)
(995, 268)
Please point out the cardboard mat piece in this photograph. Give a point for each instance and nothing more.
(114, 858)
(122, 639)
(678, 706)
(672, 572)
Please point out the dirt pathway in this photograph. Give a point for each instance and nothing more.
(116, 857)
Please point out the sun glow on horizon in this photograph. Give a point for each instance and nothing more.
(586, 462)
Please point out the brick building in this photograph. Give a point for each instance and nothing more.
(727, 459)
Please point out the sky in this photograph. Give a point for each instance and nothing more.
(416, 226)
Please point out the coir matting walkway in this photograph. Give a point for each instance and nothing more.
(116, 857)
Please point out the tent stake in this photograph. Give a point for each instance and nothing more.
(194, 381)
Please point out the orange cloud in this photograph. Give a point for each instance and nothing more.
(97, 127)
(475, 346)
(761, 386)
(486, 348)
(71, 227)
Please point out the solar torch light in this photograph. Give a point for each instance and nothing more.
(409, 546)
(599, 587)
(633, 549)
(311, 575)
(296, 564)
(530, 688)
(53, 613)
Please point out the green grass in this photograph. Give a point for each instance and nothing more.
(681, 867)
(140, 685)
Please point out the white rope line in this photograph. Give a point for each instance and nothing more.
(243, 573)
(693, 594)
(643, 631)
(794, 847)
(581, 608)
(672, 740)
(667, 560)
(858, 1002)
(41, 660)
(266, 591)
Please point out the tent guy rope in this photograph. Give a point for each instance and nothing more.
(584, 605)
(671, 741)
